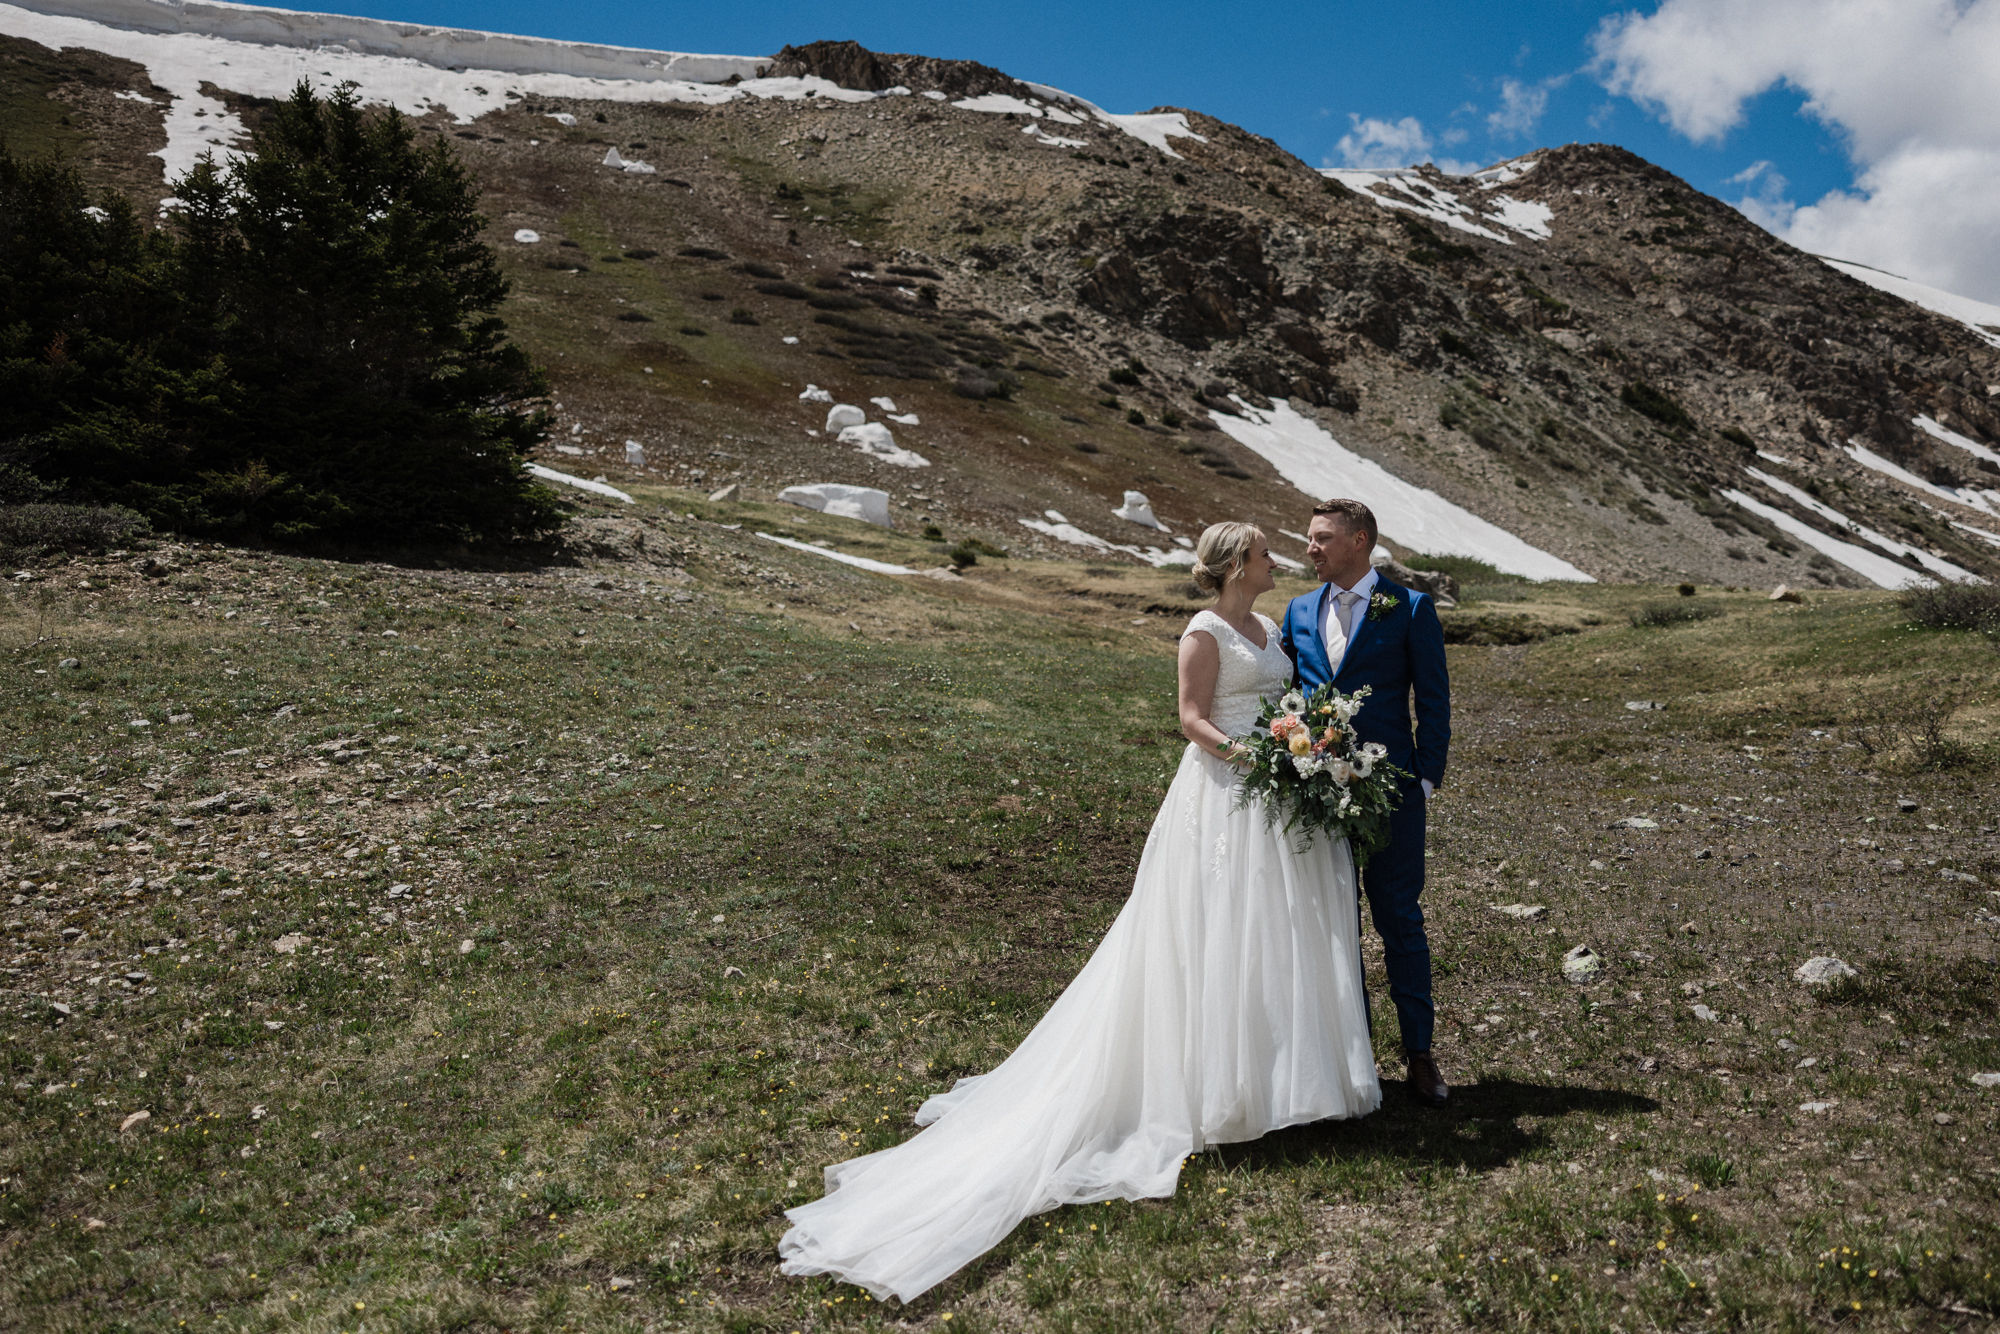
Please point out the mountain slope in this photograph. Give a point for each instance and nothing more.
(1572, 365)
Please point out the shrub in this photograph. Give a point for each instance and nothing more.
(740, 315)
(1951, 606)
(1134, 416)
(40, 527)
(1647, 401)
(1171, 419)
(1686, 590)
(1671, 613)
(1124, 375)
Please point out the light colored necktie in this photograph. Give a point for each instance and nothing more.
(1346, 613)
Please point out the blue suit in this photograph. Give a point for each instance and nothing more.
(1399, 653)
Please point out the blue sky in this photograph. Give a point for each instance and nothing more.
(1298, 74)
(1849, 127)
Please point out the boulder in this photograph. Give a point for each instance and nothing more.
(843, 415)
(1582, 964)
(1785, 593)
(723, 495)
(847, 502)
(1823, 970)
(1435, 582)
(1137, 509)
(635, 454)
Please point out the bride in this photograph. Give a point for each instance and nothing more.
(1224, 1002)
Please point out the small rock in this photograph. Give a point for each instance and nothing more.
(1942, 1118)
(1643, 705)
(135, 1119)
(1785, 593)
(59, 1008)
(466, 947)
(1962, 877)
(1786, 1044)
(1635, 822)
(69, 664)
(1893, 864)
(621, 1284)
(723, 495)
(274, 1024)
(1906, 804)
(288, 944)
(1597, 865)
(1690, 929)
(1581, 964)
(635, 454)
(1691, 990)
(1527, 912)
(1815, 1108)
(732, 971)
(509, 623)
(1704, 854)
(1822, 969)
(1648, 1064)
(1806, 1063)
(1987, 1080)
(94, 1225)
(1706, 1015)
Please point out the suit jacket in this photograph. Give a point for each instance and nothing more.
(1399, 654)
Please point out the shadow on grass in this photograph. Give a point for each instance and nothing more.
(1481, 1130)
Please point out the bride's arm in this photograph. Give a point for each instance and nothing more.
(1201, 663)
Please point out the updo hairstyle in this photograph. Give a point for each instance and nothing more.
(1221, 554)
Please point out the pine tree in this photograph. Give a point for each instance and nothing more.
(310, 349)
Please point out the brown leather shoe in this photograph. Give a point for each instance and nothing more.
(1427, 1086)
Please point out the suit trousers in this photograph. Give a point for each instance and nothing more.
(1392, 881)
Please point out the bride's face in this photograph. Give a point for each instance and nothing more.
(1259, 570)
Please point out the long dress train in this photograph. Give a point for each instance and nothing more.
(1224, 1002)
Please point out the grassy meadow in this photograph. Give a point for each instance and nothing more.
(394, 948)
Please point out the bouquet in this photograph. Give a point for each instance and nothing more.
(1311, 770)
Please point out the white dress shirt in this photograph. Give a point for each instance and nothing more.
(1336, 639)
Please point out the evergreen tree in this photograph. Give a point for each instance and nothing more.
(309, 350)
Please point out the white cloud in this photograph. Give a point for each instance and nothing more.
(1521, 108)
(1382, 143)
(1907, 85)
(1376, 143)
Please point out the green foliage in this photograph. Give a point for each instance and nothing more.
(1664, 614)
(1952, 606)
(33, 529)
(306, 351)
(1647, 401)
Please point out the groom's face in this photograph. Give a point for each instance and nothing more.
(1339, 553)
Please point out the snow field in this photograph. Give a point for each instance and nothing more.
(1420, 520)
(1805, 500)
(1878, 570)
(1978, 316)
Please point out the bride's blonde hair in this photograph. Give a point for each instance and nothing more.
(1221, 554)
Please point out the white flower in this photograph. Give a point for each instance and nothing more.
(1293, 702)
(1364, 764)
(1342, 771)
(1375, 750)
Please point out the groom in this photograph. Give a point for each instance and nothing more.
(1356, 630)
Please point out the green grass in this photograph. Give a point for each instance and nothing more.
(703, 895)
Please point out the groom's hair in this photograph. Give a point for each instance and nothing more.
(1359, 517)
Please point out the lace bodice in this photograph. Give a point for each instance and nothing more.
(1248, 674)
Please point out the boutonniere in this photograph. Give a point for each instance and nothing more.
(1382, 602)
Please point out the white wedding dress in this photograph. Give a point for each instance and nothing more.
(1224, 1002)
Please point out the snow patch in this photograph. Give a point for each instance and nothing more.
(1877, 570)
(614, 160)
(903, 418)
(1317, 464)
(580, 483)
(1405, 189)
(1805, 500)
(1064, 531)
(883, 402)
(876, 441)
(812, 393)
(1953, 438)
(1135, 508)
(858, 562)
(1868, 458)
(846, 502)
(1983, 319)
